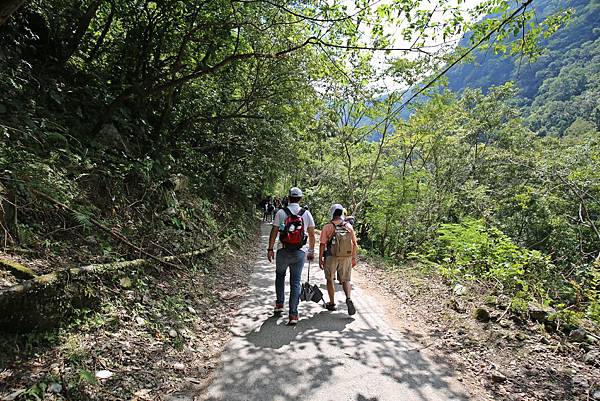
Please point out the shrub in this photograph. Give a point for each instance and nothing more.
(473, 250)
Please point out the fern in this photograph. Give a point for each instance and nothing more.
(83, 219)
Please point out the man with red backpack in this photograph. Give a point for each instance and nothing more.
(337, 254)
(296, 227)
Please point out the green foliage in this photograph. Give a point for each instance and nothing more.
(35, 392)
(561, 82)
(85, 376)
(105, 105)
(473, 250)
(519, 304)
(591, 290)
(465, 184)
(566, 318)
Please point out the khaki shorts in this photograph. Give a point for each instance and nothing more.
(341, 265)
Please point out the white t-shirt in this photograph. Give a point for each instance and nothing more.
(307, 221)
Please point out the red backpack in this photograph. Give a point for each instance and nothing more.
(293, 235)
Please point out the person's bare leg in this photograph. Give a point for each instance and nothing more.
(347, 286)
(331, 290)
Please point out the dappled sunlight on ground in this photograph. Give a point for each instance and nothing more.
(327, 356)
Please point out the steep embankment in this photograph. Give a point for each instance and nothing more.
(498, 353)
(148, 331)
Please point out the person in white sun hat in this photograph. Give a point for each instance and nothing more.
(337, 254)
(295, 226)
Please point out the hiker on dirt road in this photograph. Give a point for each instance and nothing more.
(295, 225)
(337, 253)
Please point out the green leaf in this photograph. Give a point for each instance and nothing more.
(87, 376)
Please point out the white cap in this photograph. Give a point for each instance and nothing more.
(335, 207)
(295, 192)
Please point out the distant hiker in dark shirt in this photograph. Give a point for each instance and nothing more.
(270, 211)
(265, 209)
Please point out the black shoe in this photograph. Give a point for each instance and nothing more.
(330, 306)
(351, 308)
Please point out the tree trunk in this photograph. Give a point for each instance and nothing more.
(82, 28)
(7, 8)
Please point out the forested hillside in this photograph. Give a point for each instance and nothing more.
(559, 89)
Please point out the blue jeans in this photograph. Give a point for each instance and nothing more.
(294, 258)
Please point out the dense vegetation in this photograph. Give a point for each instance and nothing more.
(117, 108)
(480, 186)
(168, 120)
(133, 130)
(560, 88)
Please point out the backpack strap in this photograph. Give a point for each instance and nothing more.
(301, 212)
(287, 211)
(329, 240)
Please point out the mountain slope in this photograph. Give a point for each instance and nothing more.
(561, 87)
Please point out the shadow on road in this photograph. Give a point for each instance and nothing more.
(275, 333)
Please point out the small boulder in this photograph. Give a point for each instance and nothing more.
(453, 304)
(578, 335)
(481, 314)
(539, 313)
(580, 381)
(172, 333)
(459, 290)
(592, 357)
(178, 366)
(55, 388)
(104, 374)
(498, 377)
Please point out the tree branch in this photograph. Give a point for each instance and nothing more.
(304, 16)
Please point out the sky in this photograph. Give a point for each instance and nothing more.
(380, 58)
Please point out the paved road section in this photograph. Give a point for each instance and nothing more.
(328, 356)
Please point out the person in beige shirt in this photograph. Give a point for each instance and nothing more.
(337, 254)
